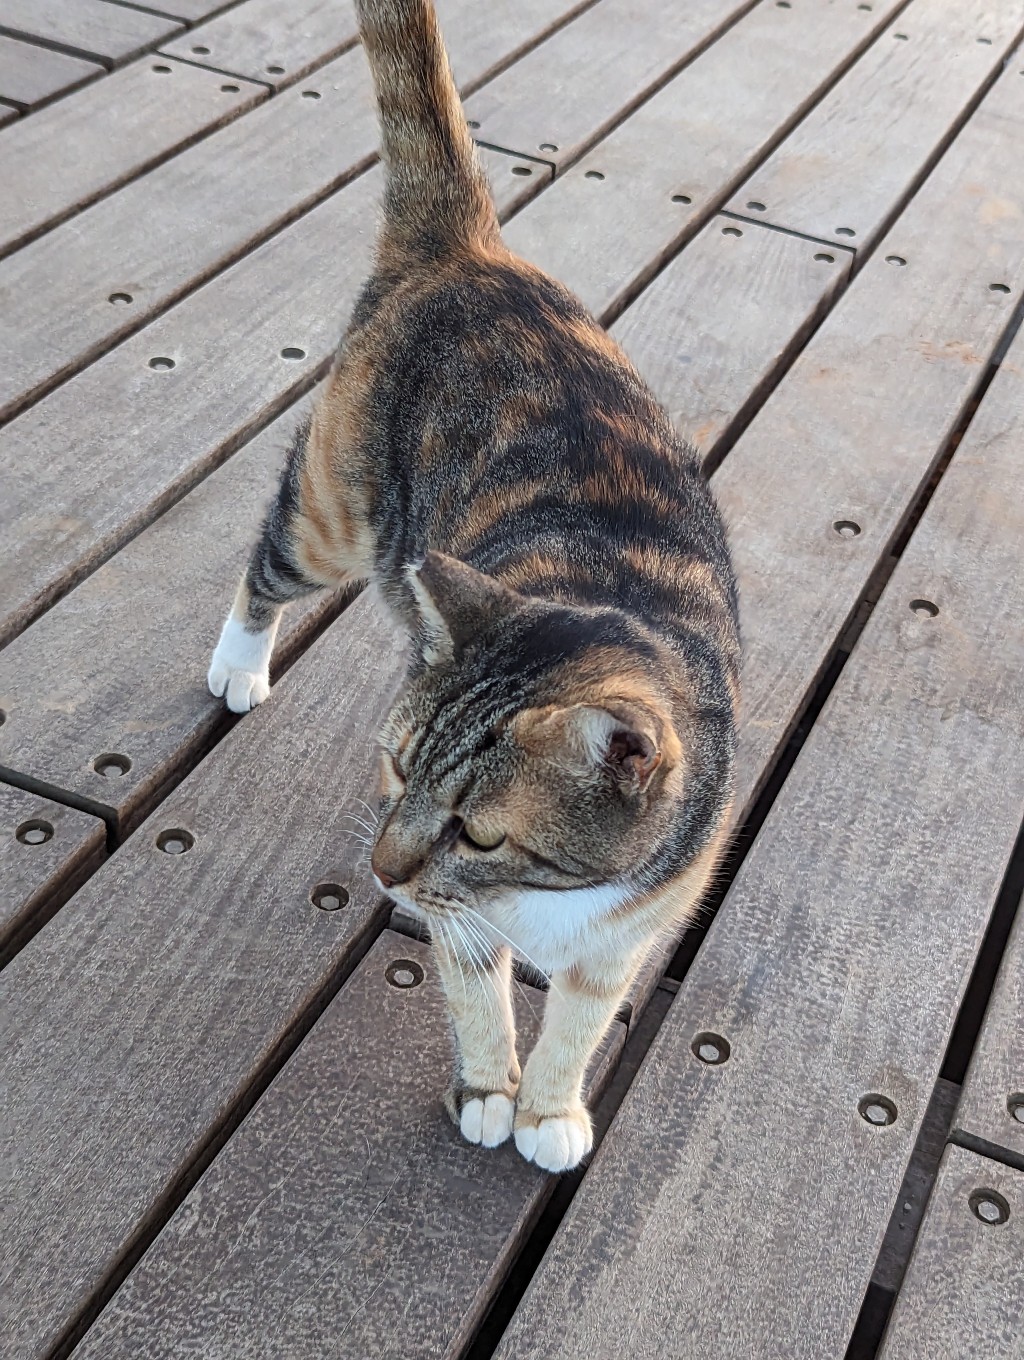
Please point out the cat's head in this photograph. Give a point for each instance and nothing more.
(536, 746)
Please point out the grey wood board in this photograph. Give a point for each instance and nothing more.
(139, 1018)
(35, 875)
(8, 114)
(992, 1106)
(67, 514)
(69, 154)
(86, 28)
(834, 970)
(189, 11)
(572, 88)
(696, 139)
(964, 1292)
(97, 277)
(346, 1217)
(31, 75)
(719, 322)
(843, 172)
(265, 40)
(117, 669)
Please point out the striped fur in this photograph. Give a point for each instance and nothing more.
(557, 772)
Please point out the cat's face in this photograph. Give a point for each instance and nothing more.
(507, 765)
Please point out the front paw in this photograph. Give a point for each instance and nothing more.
(240, 669)
(483, 1117)
(555, 1142)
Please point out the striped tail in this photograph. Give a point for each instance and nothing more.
(437, 195)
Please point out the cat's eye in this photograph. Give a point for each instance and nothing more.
(480, 839)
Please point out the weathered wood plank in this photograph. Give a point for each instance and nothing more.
(136, 1021)
(964, 1291)
(679, 156)
(46, 850)
(8, 113)
(350, 1145)
(66, 156)
(189, 11)
(86, 28)
(263, 40)
(992, 1106)
(31, 75)
(73, 292)
(714, 327)
(572, 88)
(833, 970)
(844, 171)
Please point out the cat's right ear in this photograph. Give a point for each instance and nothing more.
(454, 603)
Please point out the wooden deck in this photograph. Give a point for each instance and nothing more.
(222, 1059)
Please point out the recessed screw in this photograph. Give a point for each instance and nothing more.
(111, 765)
(120, 299)
(755, 206)
(161, 361)
(1015, 1106)
(329, 896)
(175, 842)
(877, 1110)
(35, 832)
(824, 258)
(989, 1206)
(924, 609)
(293, 352)
(548, 146)
(846, 528)
(710, 1048)
(403, 974)
(897, 260)
(681, 198)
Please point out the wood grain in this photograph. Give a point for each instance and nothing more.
(31, 75)
(994, 1085)
(834, 970)
(35, 878)
(568, 91)
(696, 138)
(264, 40)
(66, 156)
(346, 1204)
(8, 114)
(721, 321)
(86, 28)
(190, 11)
(843, 173)
(139, 1018)
(964, 1292)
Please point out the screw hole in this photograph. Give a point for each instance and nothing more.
(681, 198)
(175, 842)
(989, 1206)
(404, 973)
(472, 123)
(521, 170)
(311, 94)
(896, 260)
(35, 832)
(161, 361)
(276, 70)
(783, 4)
(111, 765)
(825, 258)
(755, 206)
(201, 51)
(162, 70)
(329, 896)
(846, 528)
(3, 717)
(731, 231)
(710, 1048)
(985, 42)
(924, 608)
(845, 231)
(1015, 1107)
(594, 174)
(548, 146)
(867, 7)
(999, 288)
(293, 352)
(120, 298)
(901, 36)
(877, 1110)
(229, 89)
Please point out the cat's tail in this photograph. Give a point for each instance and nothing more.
(437, 195)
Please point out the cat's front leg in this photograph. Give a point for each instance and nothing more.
(552, 1124)
(481, 1098)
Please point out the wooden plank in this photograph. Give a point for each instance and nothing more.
(31, 75)
(76, 290)
(964, 1292)
(833, 971)
(8, 113)
(572, 88)
(843, 173)
(189, 11)
(714, 328)
(677, 158)
(350, 1145)
(139, 1018)
(46, 851)
(990, 1115)
(109, 34)
(66, 156)
(263, 40)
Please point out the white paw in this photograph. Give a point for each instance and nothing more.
(240, 669)
(488, 1121)
(557, 1143)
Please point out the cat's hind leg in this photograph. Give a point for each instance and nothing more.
(312, 538)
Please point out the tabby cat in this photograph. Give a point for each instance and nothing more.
(556, 774)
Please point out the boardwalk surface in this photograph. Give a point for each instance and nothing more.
(222, 1057)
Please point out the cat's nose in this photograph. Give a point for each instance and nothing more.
(385, 880)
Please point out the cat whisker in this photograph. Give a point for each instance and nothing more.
(518, 949)
(373, 812)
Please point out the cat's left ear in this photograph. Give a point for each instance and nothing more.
(630, 742)
(454, 602)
